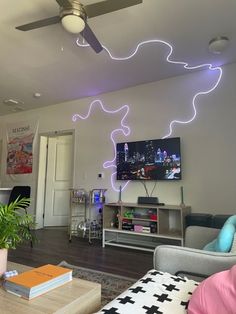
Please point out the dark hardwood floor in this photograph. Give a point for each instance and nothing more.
(54, 247)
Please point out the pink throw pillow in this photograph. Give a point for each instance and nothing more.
(215, 295)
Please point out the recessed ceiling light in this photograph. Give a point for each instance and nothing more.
(37, 95)
(218, 44)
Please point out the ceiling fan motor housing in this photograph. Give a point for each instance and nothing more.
(76, 8)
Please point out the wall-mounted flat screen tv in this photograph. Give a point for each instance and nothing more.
(158, 159)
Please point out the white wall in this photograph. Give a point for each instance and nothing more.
(208, 143)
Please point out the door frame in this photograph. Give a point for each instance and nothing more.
(42, 171)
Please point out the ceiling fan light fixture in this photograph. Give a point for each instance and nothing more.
(73, 16)
(73, 23)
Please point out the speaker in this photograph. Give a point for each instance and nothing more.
(120, 193)
(182, 196)
(148, 200)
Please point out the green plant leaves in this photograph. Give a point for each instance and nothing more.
(15, 223)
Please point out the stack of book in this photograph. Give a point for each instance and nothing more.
(37, 281)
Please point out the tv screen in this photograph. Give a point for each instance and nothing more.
(158, 159)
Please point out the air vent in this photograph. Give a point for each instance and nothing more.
(12, 102)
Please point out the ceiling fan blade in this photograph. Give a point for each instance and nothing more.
(39, 24)
(108, 6)
(91, 39)
(64, 3)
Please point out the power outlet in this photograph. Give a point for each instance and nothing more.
(101, 175)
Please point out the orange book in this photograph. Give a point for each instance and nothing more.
(38, 280)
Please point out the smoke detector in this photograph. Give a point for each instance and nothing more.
(218, 44)
(37, 95)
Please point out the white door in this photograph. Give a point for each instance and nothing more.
(58, 180)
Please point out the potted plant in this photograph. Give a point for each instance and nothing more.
(15, 225)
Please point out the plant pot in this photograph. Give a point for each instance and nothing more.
(3, 261)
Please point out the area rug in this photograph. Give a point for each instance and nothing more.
(112, 285)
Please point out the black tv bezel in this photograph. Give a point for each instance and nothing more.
(177, 179)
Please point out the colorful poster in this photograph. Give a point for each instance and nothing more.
(20, 147)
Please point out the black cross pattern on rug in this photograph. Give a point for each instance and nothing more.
(137, 290)
(190, 293)
(178, 279)
(152, 310)
(154, 273)
(126, 300)
(185, 304)
(171, 287)
(147, 280)
(163, 297)
(112, 310)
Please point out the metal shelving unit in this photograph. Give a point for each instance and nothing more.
(81, 222)
(78, 208)
(96, 199)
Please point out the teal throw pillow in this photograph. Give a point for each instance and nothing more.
(225, 238)
(210, 246)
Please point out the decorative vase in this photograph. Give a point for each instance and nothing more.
(3, 261)
(120, 192)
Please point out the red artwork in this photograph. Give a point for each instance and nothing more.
(19, 150)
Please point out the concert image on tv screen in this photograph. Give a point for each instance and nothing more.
(158, 159)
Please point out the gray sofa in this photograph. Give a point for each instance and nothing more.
(191, 258)
(160, 290)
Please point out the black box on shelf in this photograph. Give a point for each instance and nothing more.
(128, 228)
(127, 225)
(148, 200)
(153, 227)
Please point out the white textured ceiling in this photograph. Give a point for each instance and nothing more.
(48, 61)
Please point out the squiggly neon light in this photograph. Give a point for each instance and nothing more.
(193, 103)
(109, 164)
(125, 130)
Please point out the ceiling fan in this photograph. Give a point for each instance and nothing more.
(73, 16)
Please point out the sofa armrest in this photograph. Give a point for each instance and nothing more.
(172, 259)
(197, 237)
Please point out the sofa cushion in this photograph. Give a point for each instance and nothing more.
(156, 292)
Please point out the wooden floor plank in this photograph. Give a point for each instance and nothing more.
(54, 247)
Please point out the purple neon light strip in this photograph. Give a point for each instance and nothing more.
(124, 129)
(186, 66)
(193, 103)
(109, 164)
